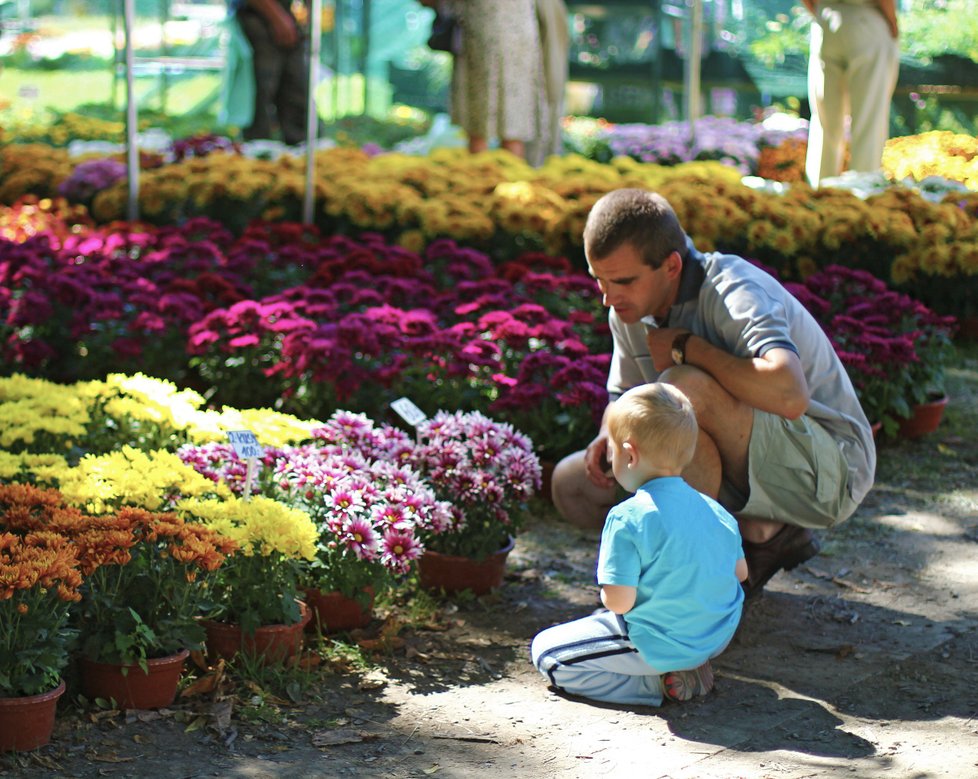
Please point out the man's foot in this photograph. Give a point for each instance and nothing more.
(789, 548)
(684, 685)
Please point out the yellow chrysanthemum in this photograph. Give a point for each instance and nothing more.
(259, 525)
(130, 477)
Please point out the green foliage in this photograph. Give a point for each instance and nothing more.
(357, 131)
(143, 609)
(268, 682)
(419, 609)
(259, 589)
(346, 655)
(935, 27)
(36, 641)
(929, 29)
(770, 40)
(338, 570)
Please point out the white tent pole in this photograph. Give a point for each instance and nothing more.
(132, 149)
(312, 120)
(694, 59)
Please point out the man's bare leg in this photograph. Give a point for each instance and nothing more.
(723, 451)
(577, 498)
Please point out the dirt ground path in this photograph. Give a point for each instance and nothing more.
(862, 663)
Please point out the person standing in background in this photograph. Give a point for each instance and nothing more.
(852, 69)
(555, 45)
(497, 80)
(281, 69)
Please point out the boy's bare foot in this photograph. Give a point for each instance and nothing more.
(684, 685)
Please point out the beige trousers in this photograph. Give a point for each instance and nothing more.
(852, 70)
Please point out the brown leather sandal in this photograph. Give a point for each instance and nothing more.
(787, 549)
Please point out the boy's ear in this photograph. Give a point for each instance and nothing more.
(631, 452)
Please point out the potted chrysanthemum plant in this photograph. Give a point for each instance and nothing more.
(487, 471)
(39, 579)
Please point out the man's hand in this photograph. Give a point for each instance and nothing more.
(596, 464)
(888, 9)
(284, 31)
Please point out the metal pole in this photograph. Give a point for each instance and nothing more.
(132, 150)
(694, 58)
(312, 119)
(164, 54)
(339, 19)
(365, 57)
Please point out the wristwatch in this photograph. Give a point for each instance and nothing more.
(679, 348)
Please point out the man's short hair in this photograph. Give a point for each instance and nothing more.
(659, 420)
(638, 217)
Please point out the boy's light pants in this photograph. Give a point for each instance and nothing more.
(593, 657)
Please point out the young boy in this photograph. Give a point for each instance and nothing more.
(669, 568)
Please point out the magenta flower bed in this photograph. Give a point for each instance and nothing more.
(283, 318)
(894, 348)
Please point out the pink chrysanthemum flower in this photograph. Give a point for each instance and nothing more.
(400, 547)
(361, 538)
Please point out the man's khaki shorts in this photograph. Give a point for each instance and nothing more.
(797, 474)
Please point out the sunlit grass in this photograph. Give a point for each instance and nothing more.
(32, 92)
(29, 94)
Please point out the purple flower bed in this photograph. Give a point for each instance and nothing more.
(730, 141)
(89, 178)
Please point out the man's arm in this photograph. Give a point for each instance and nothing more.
(888, 9)
(774, 383)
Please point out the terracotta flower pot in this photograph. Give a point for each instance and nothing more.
(271, 643)
(26, 722)
(130, 686)
(333, 611)
(925, 419)
(452, 574)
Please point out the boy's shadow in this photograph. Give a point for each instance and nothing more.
(773, 724)
(750, 717)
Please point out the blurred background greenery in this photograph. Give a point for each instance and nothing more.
(626, 61)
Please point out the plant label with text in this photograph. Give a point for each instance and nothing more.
(245, 444)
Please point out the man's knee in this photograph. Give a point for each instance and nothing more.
(696, 384)
(719, 414)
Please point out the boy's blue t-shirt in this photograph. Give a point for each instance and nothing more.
(679, 548)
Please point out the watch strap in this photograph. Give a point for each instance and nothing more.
(679, 347)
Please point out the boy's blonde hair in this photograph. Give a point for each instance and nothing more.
(660, 422)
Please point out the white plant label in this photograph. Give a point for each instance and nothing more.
(245, 444)
(409, 412)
